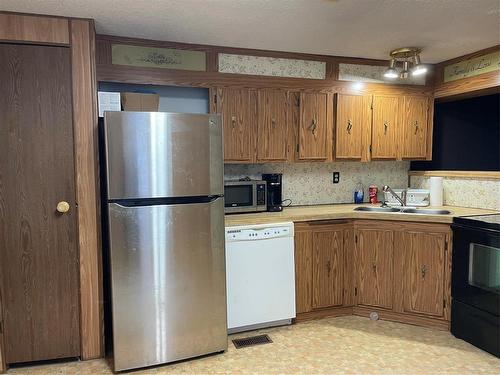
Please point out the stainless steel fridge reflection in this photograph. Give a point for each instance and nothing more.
(164, 177)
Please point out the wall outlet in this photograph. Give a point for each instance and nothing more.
(336, 177)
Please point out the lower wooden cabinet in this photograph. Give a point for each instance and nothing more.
(328, 267)
(400, 270)
(323, 271)
(374, 256)
(424, 257)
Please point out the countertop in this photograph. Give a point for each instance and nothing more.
(346, 211)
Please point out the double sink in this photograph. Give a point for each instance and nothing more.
(404, 210)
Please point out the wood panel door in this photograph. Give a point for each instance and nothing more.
(238, 109)
(313, 126)
(272, 134)
(303, 268)
(374, 267)
(328, 265)
(38, 246)
(424, 265)
(349, 126)
(385, 124)
(414, 127)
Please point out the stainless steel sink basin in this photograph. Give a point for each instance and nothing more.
(377, 209)
(425, 211)
(406, 210)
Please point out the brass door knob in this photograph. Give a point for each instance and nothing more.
(62, 207)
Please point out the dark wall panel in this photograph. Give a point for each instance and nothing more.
(466, 136)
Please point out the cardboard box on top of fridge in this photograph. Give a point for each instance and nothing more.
(134, 101)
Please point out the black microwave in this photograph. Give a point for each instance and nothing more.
(245, 196)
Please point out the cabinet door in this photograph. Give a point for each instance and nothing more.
(313, 127)
(424, 265)
(414, 127)
(272, 135)
(238, 108)
(303, 269)
(349, 125)
(374, 263)
(328, 264)
(38, 245)
(384, 126)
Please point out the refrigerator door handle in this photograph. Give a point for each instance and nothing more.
(163, 201)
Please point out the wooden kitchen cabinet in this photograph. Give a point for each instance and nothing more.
(315, 126)
(323, 266)
(351, 126)
(328, 261)
(385, 123)
(414, 127)
(239, 121)
(422, 256)
(374, 266)
(272, 130)
(303, 267)
(400, 270)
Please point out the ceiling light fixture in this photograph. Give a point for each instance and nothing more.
(403, 61)
(392, 72)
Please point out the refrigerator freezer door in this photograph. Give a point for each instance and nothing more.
(168, 282)
(156, 155)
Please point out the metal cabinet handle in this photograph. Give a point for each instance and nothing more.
(423, 270)
(328, 267)
(62, 207)
(374, 267)
(273, 122)
(313, 127)
(386, 126)
(349, 126)
(416, 127)
(233, 121)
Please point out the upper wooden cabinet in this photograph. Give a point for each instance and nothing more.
(374, 267)
(414, 127)
(385, 124)
(239, 112)
(272, 132)
(34, 29)
(351, 126)
(268, 125)
(314, 126)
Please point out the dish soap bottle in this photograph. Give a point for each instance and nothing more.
(358, 193)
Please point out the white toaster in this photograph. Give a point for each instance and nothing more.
(414, 197)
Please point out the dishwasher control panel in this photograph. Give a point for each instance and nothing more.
(257, 233)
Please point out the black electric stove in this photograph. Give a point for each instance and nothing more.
(482, 222)
(475, 286)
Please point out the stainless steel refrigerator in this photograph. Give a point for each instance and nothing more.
(165, 209)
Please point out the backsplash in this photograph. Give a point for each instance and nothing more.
(311, 183)
(465, 192)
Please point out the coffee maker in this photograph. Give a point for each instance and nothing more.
(274, 194)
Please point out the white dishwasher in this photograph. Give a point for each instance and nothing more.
(260, 276)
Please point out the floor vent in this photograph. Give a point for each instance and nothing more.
(251, 341)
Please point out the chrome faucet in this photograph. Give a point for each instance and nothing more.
(401, 200)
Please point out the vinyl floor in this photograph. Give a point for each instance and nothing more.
(342, 345)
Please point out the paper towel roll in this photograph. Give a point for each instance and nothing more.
(436, 191)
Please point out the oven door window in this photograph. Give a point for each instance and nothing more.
(484, 267)
(238, 195)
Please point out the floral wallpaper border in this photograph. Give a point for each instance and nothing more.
(373, 73)
(271, 66)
